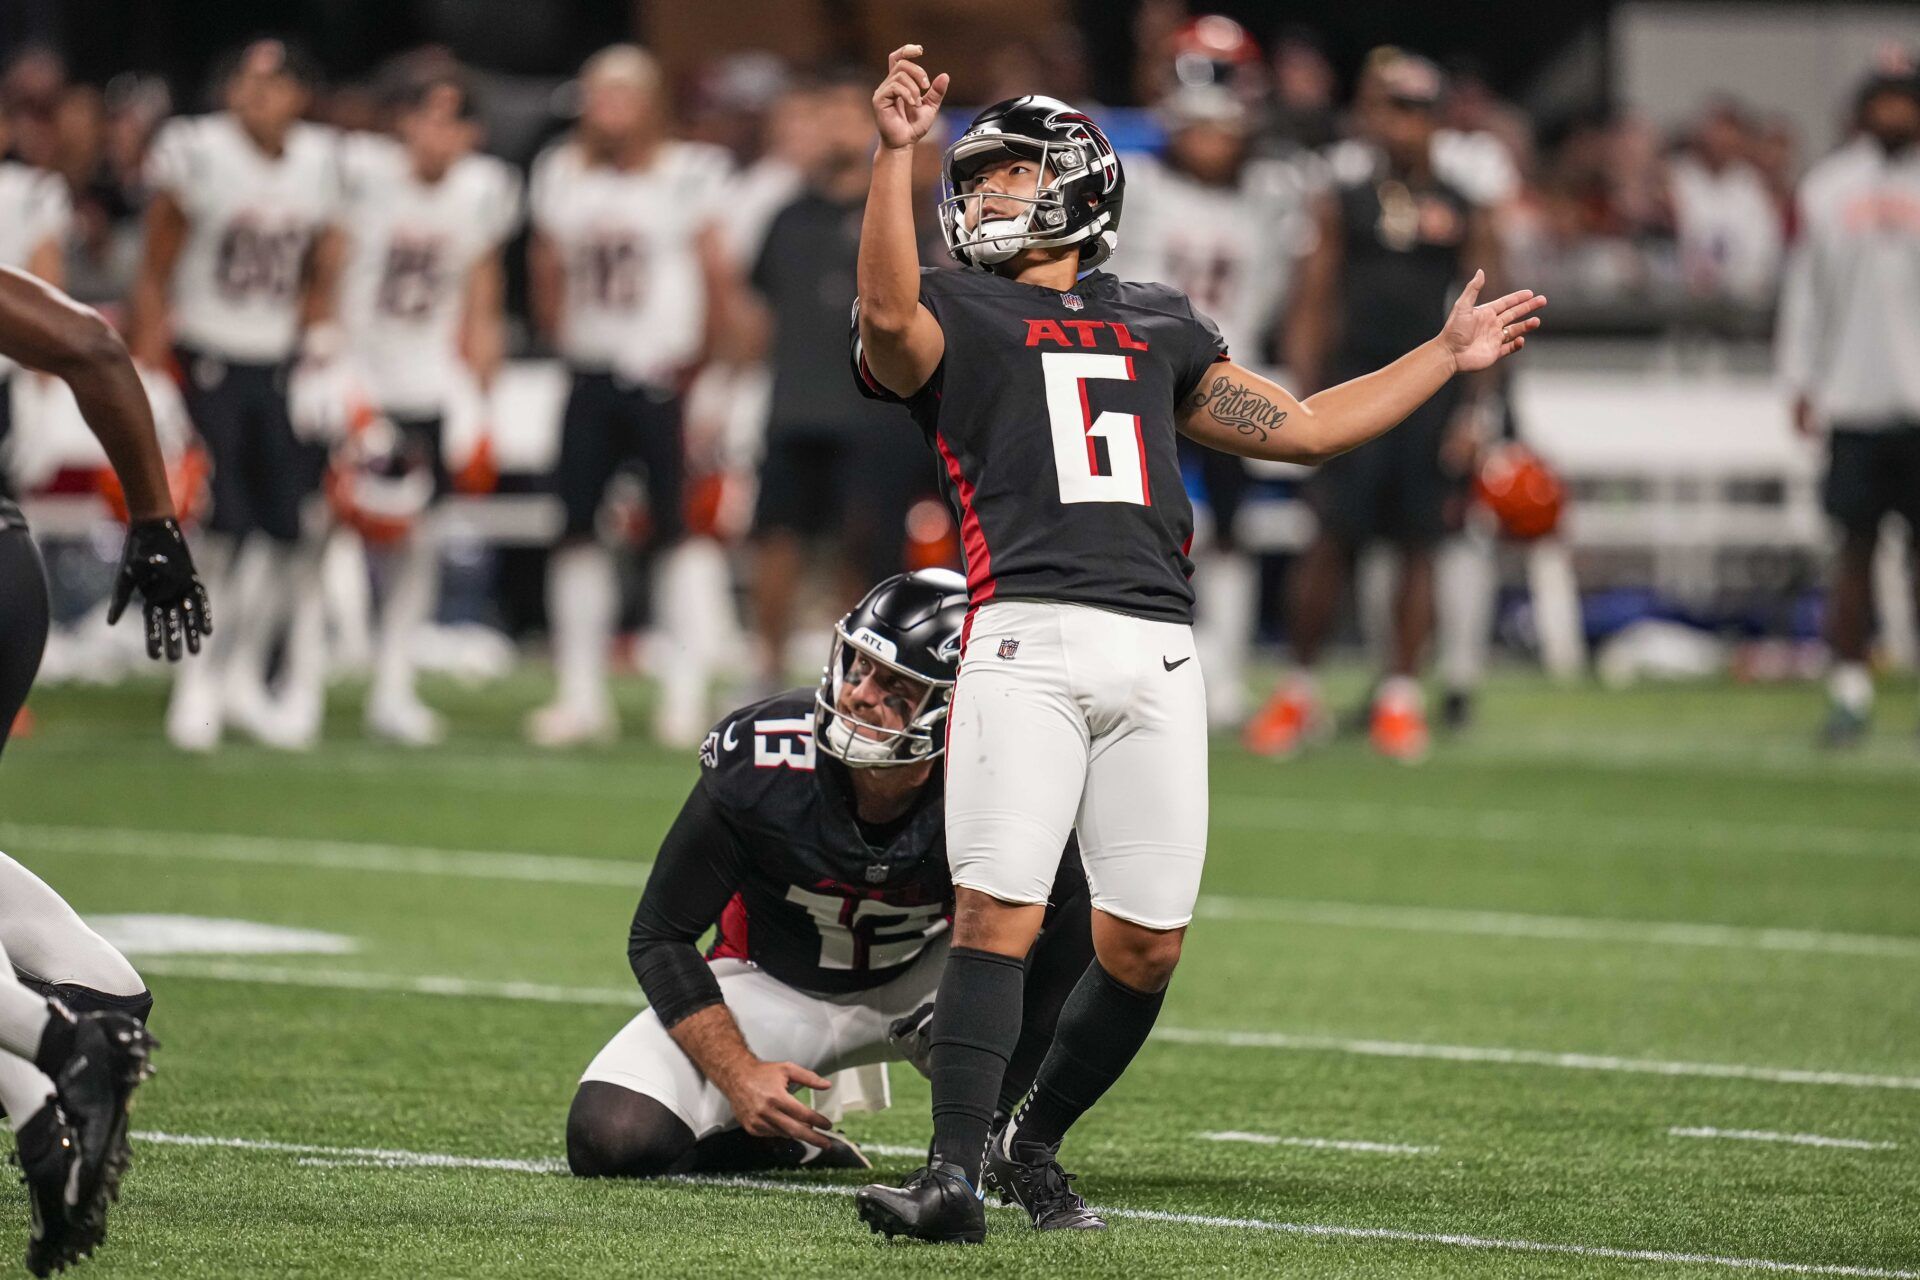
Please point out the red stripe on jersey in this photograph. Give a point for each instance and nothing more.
(866, 376)
(980, 582)
(1140, 446)
(731, 942)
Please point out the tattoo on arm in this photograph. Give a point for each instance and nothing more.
(1248, 412)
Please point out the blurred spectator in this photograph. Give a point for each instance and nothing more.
(1727, 222)
(1849, 328)
(110, 192)
(1053, 62)
(1302, 111)
(839, 470)
(31, 88)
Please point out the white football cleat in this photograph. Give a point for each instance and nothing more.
(562, 725)
(406, 721)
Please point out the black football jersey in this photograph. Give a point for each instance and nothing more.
(819, 903)
(1053, 416)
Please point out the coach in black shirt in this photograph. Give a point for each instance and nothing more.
(839, 470)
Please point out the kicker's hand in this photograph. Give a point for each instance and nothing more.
(1479, 336)
(908, 100)
(157, 563)
(762, 1101)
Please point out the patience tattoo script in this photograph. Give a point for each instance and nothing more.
(1247, 412)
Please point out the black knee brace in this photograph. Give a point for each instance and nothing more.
(613, 1132)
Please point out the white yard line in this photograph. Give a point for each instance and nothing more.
(354, 980)
(1559, 829)
(1795, 1139)
(380, 1157)
(535, 868)
(1529, 1058)
(1319, 1144)
(333, 855)
(1512, 924)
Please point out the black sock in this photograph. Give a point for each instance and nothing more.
(1103, 1025)
(1059, 957)
(976, 1023)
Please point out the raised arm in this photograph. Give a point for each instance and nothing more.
(697, 870)
(1237, 411)
(44, 329)
(899, 337)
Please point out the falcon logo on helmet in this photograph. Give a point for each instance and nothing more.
(1077, 195)
(910, 626)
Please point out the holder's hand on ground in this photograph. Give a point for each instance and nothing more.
(766, 1108)
(1480, 336)
(156, 562)
(908, 100)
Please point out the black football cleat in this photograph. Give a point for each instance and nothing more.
(111, 1055)
(49, 1160)
(843, 1154)
(936, 1204)
(1029, 1175)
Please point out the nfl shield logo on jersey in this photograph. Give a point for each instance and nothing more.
(1072, 302)
(1008, 648)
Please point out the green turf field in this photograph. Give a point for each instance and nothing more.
(1456, 1015)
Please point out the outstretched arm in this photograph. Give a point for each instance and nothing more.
(44, 329)
(899, 337)
(1237, 411)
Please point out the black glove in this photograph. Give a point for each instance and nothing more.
(156, 561)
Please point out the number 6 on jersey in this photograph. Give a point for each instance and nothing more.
(1099, 459)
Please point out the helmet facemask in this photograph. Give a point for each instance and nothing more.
(862, 744)
(1043, 220)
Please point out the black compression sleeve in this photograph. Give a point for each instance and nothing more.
(697, 870)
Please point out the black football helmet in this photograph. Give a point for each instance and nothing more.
(910, 624)
(1078, 199)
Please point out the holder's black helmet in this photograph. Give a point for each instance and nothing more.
(909, 624)
(1079, 203)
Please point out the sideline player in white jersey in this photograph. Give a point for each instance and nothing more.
(422, 290)
(1226, 228)
(629, 278)
(237, 263)
(34, 215)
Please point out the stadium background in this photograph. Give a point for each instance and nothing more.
(1629, 967)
